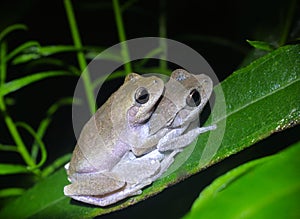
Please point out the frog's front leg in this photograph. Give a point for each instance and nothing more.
(166, 162)
(176, 140)
(135, 170)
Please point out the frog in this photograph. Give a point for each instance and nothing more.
(182, 114)
(185, 96)
(171, 127)
(103, 143)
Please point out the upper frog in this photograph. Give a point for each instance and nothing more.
(176, 118)
(178, 111)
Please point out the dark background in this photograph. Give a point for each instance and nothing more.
(232, 21)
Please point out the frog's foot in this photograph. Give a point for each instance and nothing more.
(134, 172)
(166, 163)
(183, 140)
(128, 191)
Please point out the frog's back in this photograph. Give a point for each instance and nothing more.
(95, 144)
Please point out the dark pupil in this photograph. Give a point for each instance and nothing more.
(142, 96)
(194, 98)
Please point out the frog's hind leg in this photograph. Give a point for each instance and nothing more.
(129, 190)
(100, 183)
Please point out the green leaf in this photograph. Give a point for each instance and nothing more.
(261, 45)
(9, 101)
(261, 99)
(10, 29)
(264, 188)
(51, 50)
(24, 81)
(39, 141)
(4, 193)
(54, 62)
(100, 80)
(93, 53)
(12, 169)
(56, 164)
(21, 48)
(36, 51)
(46, 121)
(23, 58)
(4, 147)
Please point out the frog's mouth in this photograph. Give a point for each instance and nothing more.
(164, 114)
(153, 108)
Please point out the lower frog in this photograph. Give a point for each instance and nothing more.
(118, 125)
(171, 127)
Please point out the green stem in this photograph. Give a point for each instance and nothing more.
(12, 148)
(2, 63)
(16, 136)
(288, 23)
(80, 56)
(163, 34)
(122, 36)
(8, 120)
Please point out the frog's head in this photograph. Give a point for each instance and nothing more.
(138, 98)
(185, 96)
(148, 92)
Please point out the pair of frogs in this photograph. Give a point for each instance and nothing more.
(133, 138)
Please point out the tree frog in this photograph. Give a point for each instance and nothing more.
(149, 148)
(103, 142)
(185, 96)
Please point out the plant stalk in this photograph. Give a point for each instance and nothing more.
(163, 35)
(8, 120)
(80, 56)
(122, 36)
(288, 22)
(2, 63)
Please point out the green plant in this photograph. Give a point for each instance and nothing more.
(21, 54)
(30, 52)
(262, 196)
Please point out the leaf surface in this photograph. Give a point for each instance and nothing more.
(12, 169)
(265, 188)
(19, 83)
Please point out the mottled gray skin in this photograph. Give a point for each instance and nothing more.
(176, 118)
(103, 143)
(129, 152)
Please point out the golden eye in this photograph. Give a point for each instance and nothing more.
(142, 95)
(194, 98)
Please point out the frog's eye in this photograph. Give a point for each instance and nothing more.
(142, 95)
(194, 98)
